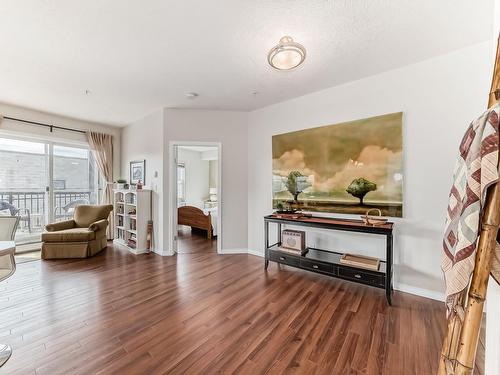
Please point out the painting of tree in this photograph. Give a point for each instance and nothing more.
(360, 187)
(346, 168)
(296, 183)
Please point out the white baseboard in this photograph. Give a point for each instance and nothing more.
(256, 253)
(432, 294)
(234, 251)
(163, 253)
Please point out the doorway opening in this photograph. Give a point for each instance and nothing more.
(196, 185)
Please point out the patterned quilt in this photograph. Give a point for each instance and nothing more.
(476, 169)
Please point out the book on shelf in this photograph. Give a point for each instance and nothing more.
(293, 251)
(360, 261)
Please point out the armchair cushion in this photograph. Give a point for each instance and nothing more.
(61, 225)
(69, 235)
(99, 225)
(85, 215)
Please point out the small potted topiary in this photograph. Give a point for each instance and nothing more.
(120, 183)
(279, 206)
(284, 208)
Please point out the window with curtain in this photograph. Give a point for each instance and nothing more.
(43, 181)
(181, 182)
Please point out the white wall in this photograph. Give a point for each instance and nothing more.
(211, 154)
(213, 173)
(14, 127)
(143, 140)
(197, 176)
(439, 97)
(230, 129)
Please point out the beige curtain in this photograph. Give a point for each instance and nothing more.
(102, 149)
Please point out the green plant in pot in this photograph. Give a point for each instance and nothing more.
(120, 183)
(280, 207)
(284, 208)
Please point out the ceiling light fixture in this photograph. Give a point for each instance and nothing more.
(287, 54)
(191, 95)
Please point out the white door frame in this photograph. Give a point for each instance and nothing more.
(172, 188)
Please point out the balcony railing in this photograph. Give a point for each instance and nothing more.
(32, 206)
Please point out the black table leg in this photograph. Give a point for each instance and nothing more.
(388, 276)
(266, 244)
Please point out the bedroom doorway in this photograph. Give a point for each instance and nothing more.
(196, 197)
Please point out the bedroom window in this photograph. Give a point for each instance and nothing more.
(181, 182)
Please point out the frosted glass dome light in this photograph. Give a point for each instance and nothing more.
(287, 54)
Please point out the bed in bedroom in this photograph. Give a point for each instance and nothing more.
(195, 217)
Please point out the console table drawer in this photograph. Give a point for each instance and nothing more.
(361, 276)
(283, 258)
(316, 266)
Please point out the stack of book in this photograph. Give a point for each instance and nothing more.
(292, 251)
(132, 241)
(360, 261)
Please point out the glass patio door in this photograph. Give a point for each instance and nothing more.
(75, 180)
(42, 182)
(24, 182)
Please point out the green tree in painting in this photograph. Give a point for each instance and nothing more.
(296, 183)
(360, 187)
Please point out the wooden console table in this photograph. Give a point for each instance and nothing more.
(328, 262)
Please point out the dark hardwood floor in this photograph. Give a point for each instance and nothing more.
(190, 241)
(205, 313)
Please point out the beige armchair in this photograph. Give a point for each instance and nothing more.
(81, 237)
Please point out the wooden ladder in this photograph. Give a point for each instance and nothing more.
(460, 344)
(464, 323)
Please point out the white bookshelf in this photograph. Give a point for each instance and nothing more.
(132, 210)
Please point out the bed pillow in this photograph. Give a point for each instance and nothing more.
(5, 212)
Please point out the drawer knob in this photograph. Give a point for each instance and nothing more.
(315, 266)
(357, 276)
(282, 258)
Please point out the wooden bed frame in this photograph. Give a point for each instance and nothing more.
(195, 218)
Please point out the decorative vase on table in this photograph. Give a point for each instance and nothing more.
(120, 184)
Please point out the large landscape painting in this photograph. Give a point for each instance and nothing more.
(344, 168)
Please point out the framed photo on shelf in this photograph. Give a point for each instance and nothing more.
(137, 171)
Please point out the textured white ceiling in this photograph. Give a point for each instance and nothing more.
(135, 56)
